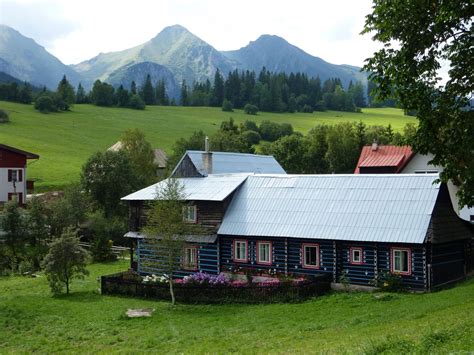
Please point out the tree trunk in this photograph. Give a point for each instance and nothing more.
(173, 300)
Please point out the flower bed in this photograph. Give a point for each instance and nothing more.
(207, 289)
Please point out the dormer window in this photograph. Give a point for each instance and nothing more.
(190, 214)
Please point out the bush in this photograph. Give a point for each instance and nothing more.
(136, 103)
(249, 126)
(250, 109)
(227, 106)
(4, 118)
(46, 103)
(251, 137)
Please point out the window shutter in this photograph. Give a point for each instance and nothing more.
(20, 175)
(9, 175)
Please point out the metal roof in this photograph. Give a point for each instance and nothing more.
(208, 188)
(193, 238)
(225, 162)
(384, 155)
(372, 208)
(388, 160)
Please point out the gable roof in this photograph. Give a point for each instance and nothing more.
(160, 157)
(209, 188)
(372, 208)
(384, 156)
(28, 155)
(226, 162)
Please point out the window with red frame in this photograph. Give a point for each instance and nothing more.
(401, 261)
(311, 256)
(240, 250)
(264, 253)
(356, 256)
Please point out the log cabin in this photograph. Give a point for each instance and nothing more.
(357, 227)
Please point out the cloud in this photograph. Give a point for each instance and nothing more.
(43, 21)
(76, 30)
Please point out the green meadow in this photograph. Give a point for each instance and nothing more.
(64, 141)
(31, 320)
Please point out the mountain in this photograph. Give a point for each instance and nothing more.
(277, 55)
(24, 59)
(138, 72)
(184, 54)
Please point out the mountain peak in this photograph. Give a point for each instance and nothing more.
(174, 30)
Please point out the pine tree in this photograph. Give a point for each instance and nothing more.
(133, 88)
(161, 97)
(218, 90)
(148, 93)
(80, 95)
(184, 94)
(65, 91)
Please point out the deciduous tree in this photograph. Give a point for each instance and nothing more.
(65, 261)
(418, 37)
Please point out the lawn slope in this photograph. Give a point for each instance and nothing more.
(65, 140)
(32, 320)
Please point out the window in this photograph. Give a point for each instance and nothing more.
(356, 256)
(190, 261)
(18, 197)
(15, 175)
(311, 256)
(264, 253)
(240, 250)
(401, 261)
(190, 214)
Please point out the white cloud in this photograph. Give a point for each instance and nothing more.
(78, 30)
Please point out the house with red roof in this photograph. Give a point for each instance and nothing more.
(13, 177)
(383, 159)
(390, 159)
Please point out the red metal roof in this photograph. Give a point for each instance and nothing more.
(384, 156)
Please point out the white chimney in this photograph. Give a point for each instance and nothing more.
(207, 157)
(375, 146)
(206, 144)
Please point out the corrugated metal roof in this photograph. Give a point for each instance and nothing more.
(384, 156)
(224, 162)
(387, 160)
(382, 208)
(193, 238)
(209, 188)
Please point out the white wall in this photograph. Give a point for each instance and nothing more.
(6, 186)
(419, 163)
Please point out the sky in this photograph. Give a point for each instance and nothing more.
(77, 30)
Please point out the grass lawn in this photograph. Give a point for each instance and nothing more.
(32, 320)
(64, 141)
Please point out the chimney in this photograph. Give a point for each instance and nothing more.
(207, 157)
(375, 146)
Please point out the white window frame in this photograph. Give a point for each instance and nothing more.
(259, 253)
(304, 261)
(190, 252)
(393, 261)
(190, 214)
(238, 249)
(353, 260)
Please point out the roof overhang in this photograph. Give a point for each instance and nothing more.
(28, 155)
(190, 238)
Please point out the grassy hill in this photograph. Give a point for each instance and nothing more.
(64, 141)
(31, 320)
